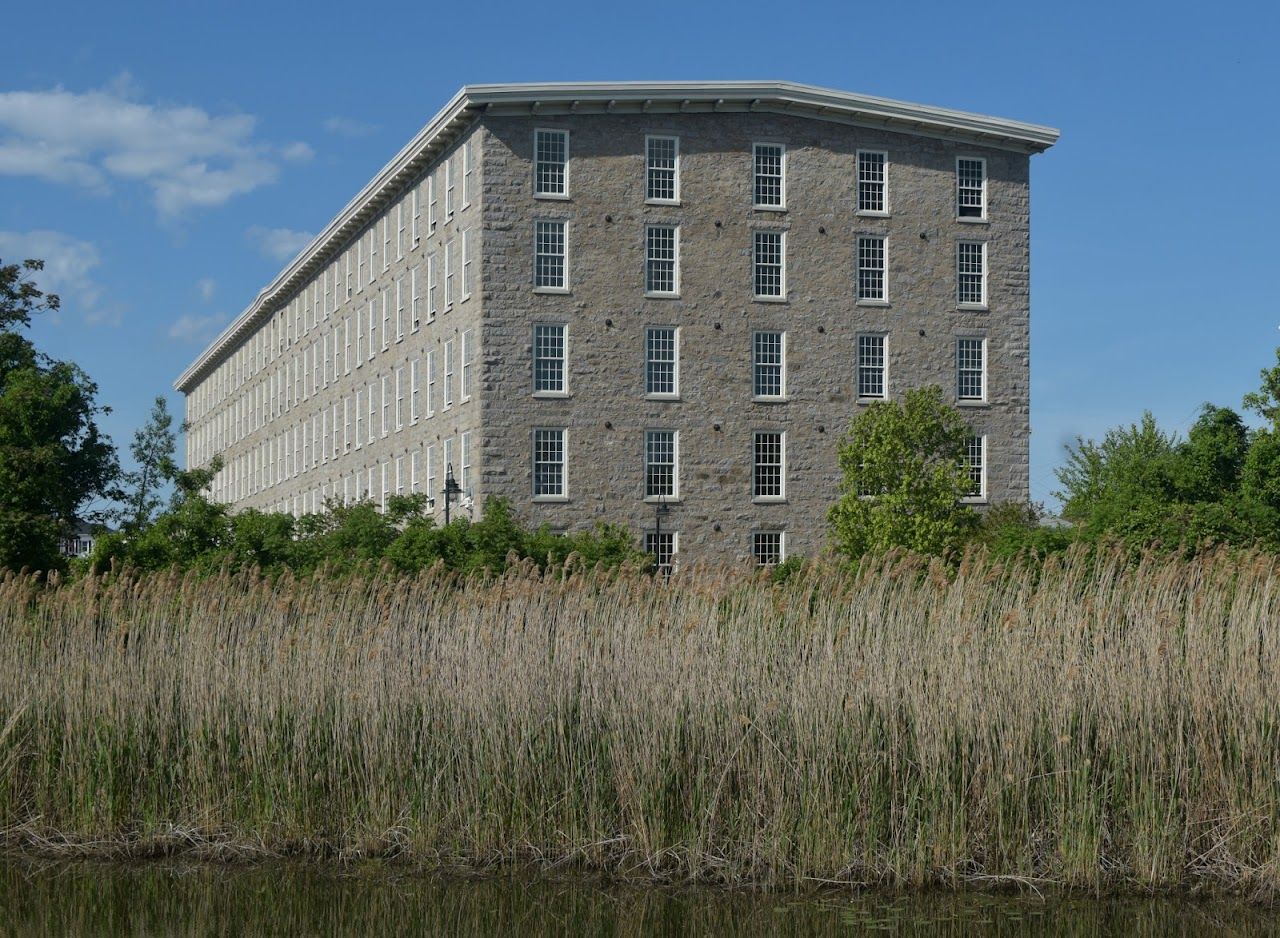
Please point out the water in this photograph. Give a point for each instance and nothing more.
(89, 899)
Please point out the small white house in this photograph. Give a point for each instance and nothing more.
(79, 543)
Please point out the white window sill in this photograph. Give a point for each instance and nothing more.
(550, 499)
(551, 395)
(973, 221)
(866, 302)
(769, 208)
(868, 213)
(975, 307)
(555, 291)
(973, 403)
(769, 399)
(974, 500)
(769, 299)
(769, 500)
(662, 397)
(662, 499)
(552, 196)
(657, 295)
(871, 400)
(667, 202)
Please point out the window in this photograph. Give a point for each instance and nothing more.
(768, 358)
(429, 458)
(468, 363)
(464, 457)
(386, 239)
(373, 412)
(662, 170)
(548, 463)
(399, 399)
(414, 386)
(448, 374)
(414, 235)
(359, 421)
(971, 369)
(661, 545)
(660, 464)
(971, 188)
(386, 404)
(431, 383)
(431, 203)
(386, 319)
(550, 163)
(549, 264)
(662, 358)
(976, 462)
(766, 548)
(450, 268)
(872, 195)
(400, 309)
(662, 254)
(373, 330)
(468, 165)
(768, 264)
(450, 172)
(971, 273)
(433, 289)
(768, 475)
(468, 247)
(549, 358)
(871, 269)
(871, 366)
(415, 307)
(770, 164)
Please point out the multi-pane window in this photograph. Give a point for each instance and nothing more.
(662, 251)
(769, 184)
(548, 463)
(768, 462)
(971, 273)
(971, 188)
(975, 458)
(660, 464)
(768, 263)
(871, 366)
(971, 369)
(450, 267)
(549, 259)
(661, 370)
(662, 173)
(414, 384)
(468, 364)
(768, 350)
(549, 358)
(766, 548)
(871, 182)
(448, 374)
(464, 459)
(468, 248)
(871, 268)
(661, 545)
(551, 157)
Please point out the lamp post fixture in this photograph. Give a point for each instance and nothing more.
(451, 488)
(660, 511)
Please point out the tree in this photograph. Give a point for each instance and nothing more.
(53, 457)
(152, 450)
(904, 475)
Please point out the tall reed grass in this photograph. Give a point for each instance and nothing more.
(1092, 722)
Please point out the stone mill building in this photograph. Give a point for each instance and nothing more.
(655, 304)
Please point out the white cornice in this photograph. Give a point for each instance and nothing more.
(609, 97)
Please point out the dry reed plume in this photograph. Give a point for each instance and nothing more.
(1093, 724)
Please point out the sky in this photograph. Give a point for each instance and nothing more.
(167, 159)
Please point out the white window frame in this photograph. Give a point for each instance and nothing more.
(756, 146)
(781, 296)
(650, 547)
(768, 532)
(782, 468)
(884, 184)
(979, 497)
(563, 494)
(415, 388)
(981, 217)
(468, 245)
(536, 164)
(449, 365)
(674, 393)
(466, 364)
(415, 299)
(961, 370)
(468, 166)
(563, 288)
(883, 366)
(674, 495)
(883, 298)
(971, 304)
(535, 358)
(756, 365)
(650, 260)
(649, 169)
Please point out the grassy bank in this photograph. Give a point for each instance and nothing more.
(1094, 724)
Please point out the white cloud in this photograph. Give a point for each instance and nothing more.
(279, 244)
(346, 127)
(187, 157)
(297, 152)
(68, 268)
(197, 329)
(205, 287)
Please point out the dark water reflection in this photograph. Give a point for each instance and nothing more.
(39, 898)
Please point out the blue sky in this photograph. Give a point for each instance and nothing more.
(168, 158)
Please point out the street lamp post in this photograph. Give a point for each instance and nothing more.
(451, 488)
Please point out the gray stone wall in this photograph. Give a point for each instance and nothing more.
(606, 412)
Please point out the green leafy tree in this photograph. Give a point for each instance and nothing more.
(904, 475)
(53, 457)
(153, 455)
